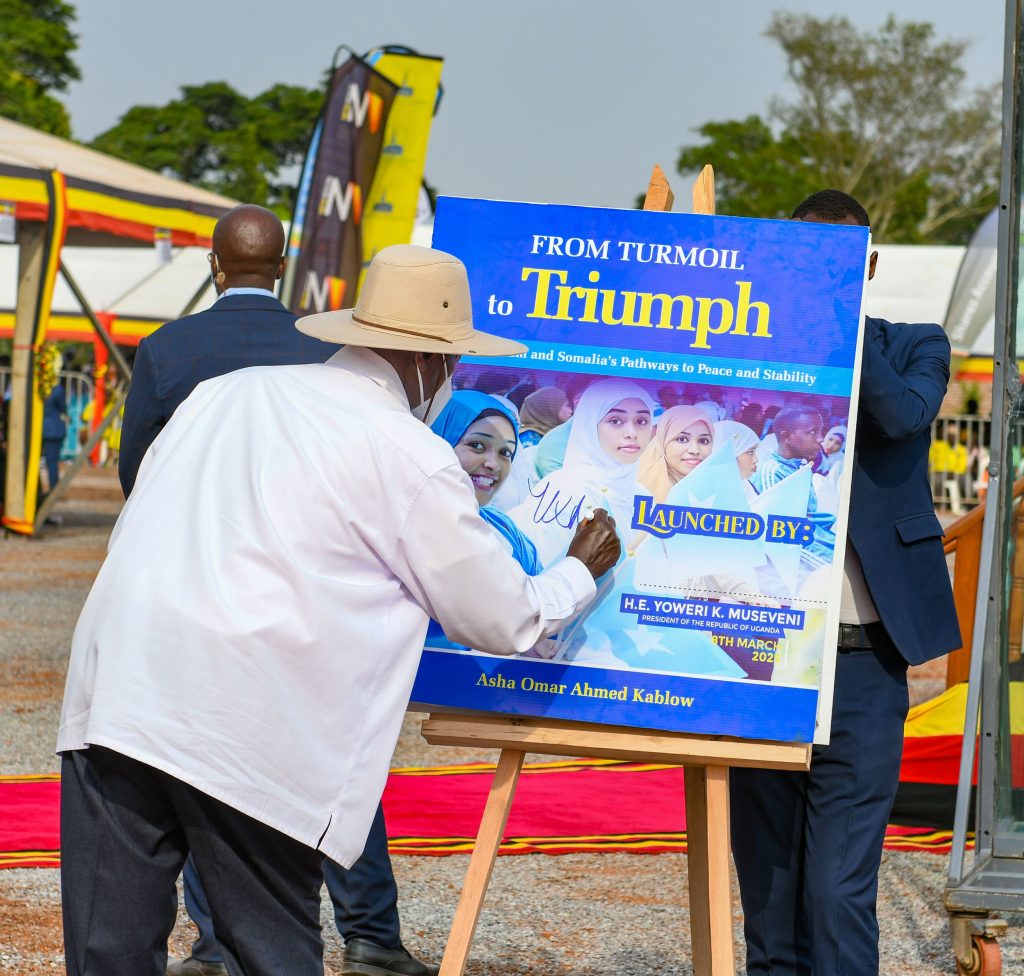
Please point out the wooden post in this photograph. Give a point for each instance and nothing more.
(704, 192)
(963, 541)
(707, 840)
(965, 592)
(659, 193)
(31, 251)
(481, 862)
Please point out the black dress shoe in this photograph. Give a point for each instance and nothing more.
(196, 967)
(365, 958)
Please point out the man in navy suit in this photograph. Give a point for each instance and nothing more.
(808, 846)
(248, 326)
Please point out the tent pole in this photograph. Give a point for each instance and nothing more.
(31, 252)
(81, 457)
(115, 353)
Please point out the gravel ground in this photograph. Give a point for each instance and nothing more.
(617, 914)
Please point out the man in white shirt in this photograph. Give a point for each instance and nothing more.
(287, 605)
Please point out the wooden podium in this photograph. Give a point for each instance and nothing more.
(706, 760)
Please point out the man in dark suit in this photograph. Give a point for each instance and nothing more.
(55, 414)
(248, 326)
(808, 846)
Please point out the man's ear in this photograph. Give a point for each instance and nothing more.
(282, 264)
(872, 264)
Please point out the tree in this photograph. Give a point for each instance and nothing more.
(214, 136)
(884, 116)
(36, 47)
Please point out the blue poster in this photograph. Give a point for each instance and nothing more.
(696, 377)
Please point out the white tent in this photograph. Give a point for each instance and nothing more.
(913, 282)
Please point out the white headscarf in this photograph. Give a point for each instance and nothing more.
(584, 447)
(740, 436)
(828, 461)
(838, 431)
(589, 477)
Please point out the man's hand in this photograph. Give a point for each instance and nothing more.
(595, 544)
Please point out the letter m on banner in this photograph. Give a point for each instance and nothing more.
(325, 247)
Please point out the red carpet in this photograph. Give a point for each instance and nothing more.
(30, 821)
(560, 807)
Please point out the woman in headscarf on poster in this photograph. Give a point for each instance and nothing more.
(610, 429)
(743, 443)
(828, 470)
(515, 486)
(482, 430)
(543, 410)
(833, 447)
(685, 437)
(531, 465)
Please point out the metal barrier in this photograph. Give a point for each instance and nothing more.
(78, 391)
(958, 460)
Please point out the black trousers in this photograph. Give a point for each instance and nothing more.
(125, 831)
(365, 897)
(808, 846)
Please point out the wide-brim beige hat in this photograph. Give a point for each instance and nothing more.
(413, 298)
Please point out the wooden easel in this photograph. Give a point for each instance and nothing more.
(706, 760)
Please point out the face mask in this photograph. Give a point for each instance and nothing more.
(428, 410)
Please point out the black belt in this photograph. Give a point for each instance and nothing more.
(861, 637)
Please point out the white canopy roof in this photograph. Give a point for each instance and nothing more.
(130, 282)
(913, 283)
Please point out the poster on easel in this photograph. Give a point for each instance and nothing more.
(696, 376)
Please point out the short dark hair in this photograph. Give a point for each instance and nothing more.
(788, 419)
(832, 205)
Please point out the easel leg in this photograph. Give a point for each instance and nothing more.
(707, 834)
(481, 862)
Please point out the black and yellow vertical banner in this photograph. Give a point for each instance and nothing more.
(325, 248)
(25, 412)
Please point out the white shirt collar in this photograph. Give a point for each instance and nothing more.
(228, 292)
(367, 363)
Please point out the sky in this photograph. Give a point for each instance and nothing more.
(558, 101)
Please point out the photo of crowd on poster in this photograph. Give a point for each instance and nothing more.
(544, 448)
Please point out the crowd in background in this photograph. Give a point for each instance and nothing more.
(958, 462)
(545, 414)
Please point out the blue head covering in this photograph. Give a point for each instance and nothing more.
(455, 419)
(463, 408)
